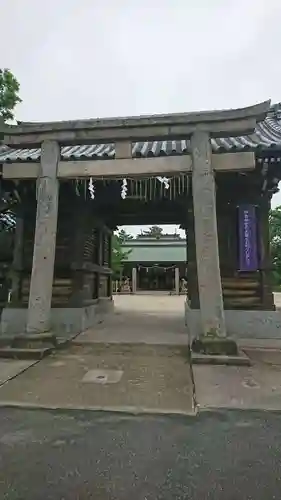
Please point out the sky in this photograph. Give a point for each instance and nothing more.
(99, 58)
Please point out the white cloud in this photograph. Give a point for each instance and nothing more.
(107, 57)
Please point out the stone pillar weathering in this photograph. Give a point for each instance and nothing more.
(40, 296)
(177, 280)
(206, 236)
(134, 280)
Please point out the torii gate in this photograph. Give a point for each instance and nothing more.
(200, 127)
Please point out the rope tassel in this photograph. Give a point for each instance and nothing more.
(91, 188)
(124, 189)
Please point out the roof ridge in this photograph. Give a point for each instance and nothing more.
(266, 136)
(275, 110)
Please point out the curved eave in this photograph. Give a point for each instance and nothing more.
(257, 112)
(265, 141)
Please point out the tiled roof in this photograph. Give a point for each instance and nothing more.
(266, 136)
(7, 221)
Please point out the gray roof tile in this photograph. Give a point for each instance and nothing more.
(267, 135)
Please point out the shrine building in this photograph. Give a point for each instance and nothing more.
(155, 263)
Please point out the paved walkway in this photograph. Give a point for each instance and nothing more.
(152, 379)
(241, 387)
(136, 360)
(149, 319)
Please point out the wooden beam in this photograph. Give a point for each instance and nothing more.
(143, 128)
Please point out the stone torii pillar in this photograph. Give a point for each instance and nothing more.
(41, 285)
(206, 237)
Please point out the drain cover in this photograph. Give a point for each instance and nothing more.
(103, 376)
(250, 383)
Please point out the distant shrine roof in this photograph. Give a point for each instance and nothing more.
(266, 139)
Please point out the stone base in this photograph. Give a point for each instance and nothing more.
(240, 360)
(214, 346)
(65, 321)
(239, 324)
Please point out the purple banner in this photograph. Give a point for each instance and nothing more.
(248, 252)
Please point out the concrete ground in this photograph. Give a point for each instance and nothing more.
(12, 368)
(136, 360)
(149, 319)
(230, 449)
(155, 319)
(110, 377)
(241, 387)
(80, 456)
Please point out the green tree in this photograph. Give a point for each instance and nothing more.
(275, 242)
(9, 94)
(154, 232)
(124, 236)
(119, 255)
(9, 98)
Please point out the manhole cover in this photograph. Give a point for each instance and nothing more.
(103, 376)
(250, 384)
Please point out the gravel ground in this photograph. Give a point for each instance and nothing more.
(87, 455)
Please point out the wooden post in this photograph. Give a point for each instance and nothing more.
(78, 244)
(17, 260)
(192, 280)
(101, 259)
(206, 237)
(266, 264)
(110, 285)
(40, 296)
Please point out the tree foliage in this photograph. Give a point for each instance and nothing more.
(275, 242)
(9, 94)
(119, 255)
(124, 236)
(9, 98)
(154, 232)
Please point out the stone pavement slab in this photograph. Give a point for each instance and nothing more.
(10, 368)
(254, 387)
(148, 319)
(259, 343)
(153, 379)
